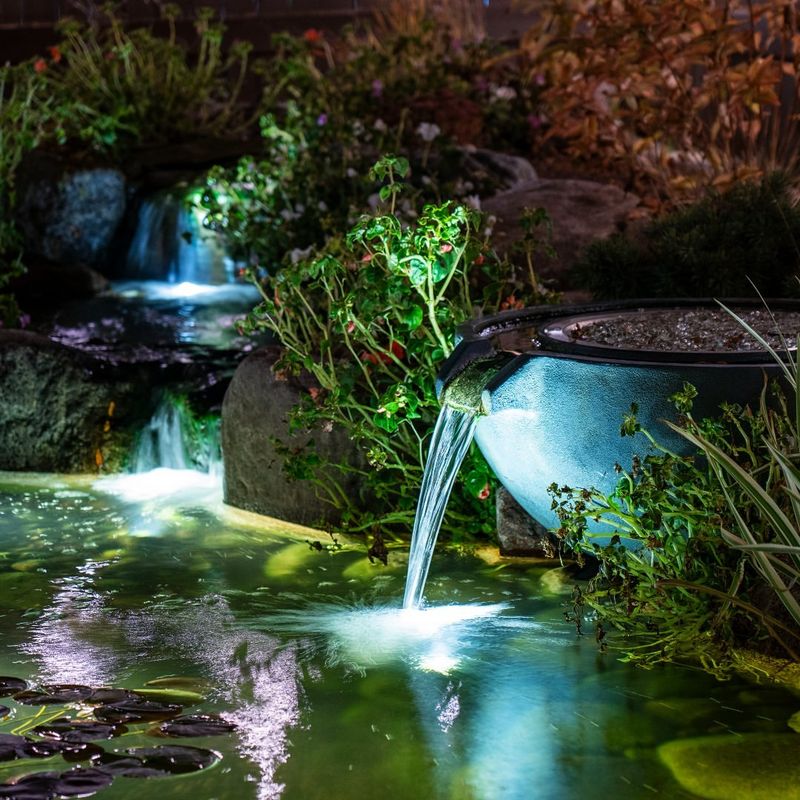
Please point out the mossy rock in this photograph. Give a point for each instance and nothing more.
(751, 767)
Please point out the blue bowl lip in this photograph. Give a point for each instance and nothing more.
(475, 339)
(488, 327)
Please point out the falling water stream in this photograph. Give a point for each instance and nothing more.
(451, 439)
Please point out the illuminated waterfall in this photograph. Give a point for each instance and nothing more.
(451, 439)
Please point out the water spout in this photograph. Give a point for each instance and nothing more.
(451, 439)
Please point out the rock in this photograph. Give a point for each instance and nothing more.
(509, 171)
(758, 766)
(518, 533)
(67, 213)
(255, 411)
(57, 413)
(48, 285)
(581, 211)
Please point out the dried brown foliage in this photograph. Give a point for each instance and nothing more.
(464, 19)
(680, 94)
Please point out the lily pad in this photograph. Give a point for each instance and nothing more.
(51, 695)
(75, 752)
(136, 709)
(40, 749)
(82, 782)
(124, 766)
(74, 731)
(39, 786)
(9, 686)
(197, 725)
(101, 697)
(11, 746)
(174, 759)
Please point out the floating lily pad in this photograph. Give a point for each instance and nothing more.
(82, 782)
(101, 697)
(9, 686)
(197, 725)
(75, 752)
(39, 786)
(75, 731)
(174, 759)
(48, 695)
(125, 766)
(40, 749)
(11, 746)
(135, 709)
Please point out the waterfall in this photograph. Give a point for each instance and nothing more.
(172, 439)
(170, 244)
(451, 439)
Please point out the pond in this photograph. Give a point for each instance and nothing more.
(149, 582)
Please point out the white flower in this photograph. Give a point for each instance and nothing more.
(299, 255)
(322, 206)
(473, 201)
(351, 173)
(505, 93)
(428, 131)
(380, 126)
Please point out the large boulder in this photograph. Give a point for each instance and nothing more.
(255, 417)
(581, 211)
(60, 409)
(69, 213)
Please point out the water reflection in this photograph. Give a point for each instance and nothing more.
(488, 697)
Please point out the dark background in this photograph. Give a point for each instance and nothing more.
(27, 26)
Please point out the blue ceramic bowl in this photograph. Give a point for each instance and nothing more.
(553, 409)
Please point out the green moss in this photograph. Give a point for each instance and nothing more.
(761, 766)
(463, 393)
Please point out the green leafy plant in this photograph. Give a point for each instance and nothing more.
(678, 591)
(370, 319)
(772, 537)
(715, 247)
(115, 88)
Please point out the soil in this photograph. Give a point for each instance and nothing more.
(689, 330)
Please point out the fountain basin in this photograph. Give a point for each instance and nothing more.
(552, 401)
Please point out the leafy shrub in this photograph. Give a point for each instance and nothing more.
(679, 592)
(715, 247)
(371, 318)
(679, 96)
(114, 88)
(21, 101)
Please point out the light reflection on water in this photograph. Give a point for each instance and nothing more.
(485, 694)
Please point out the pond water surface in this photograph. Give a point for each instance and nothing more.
(335, 693)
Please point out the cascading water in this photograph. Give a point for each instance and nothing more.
(451, 439)
(166, 442)
(170, 244)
